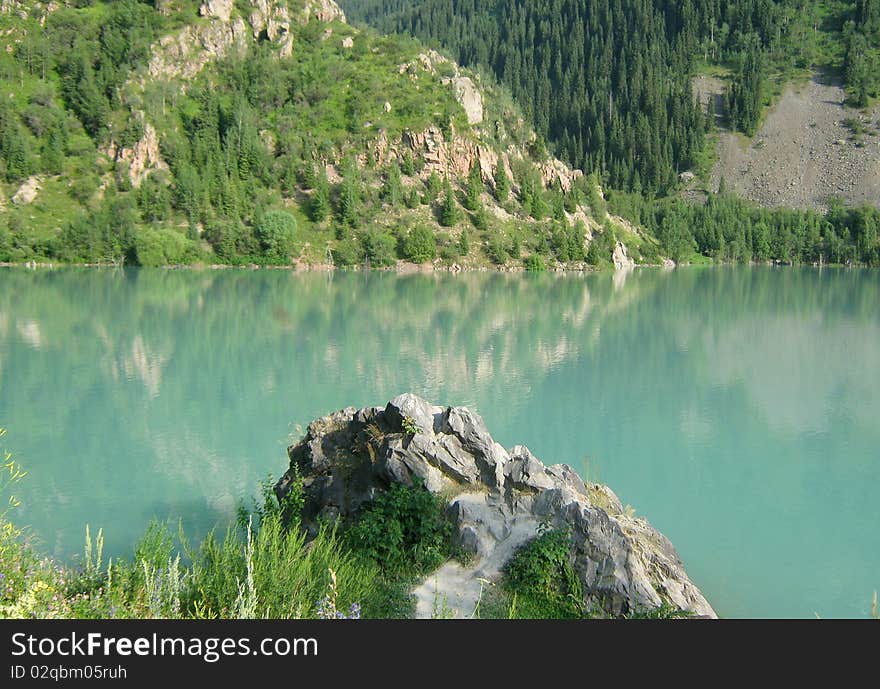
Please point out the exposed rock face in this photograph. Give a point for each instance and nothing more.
(555, 171)
(454, 157)
(143, 158)
(470, 98)
(322, 10)
(497, 500)
(184, 54)
(621, 259)
(219, 9)
(27, 192)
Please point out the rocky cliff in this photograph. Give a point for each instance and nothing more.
(497, 500)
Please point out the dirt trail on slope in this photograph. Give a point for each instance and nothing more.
(804, 154)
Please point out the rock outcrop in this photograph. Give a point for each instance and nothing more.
(27, 192)
(470, 99)
(497, 500)
(621, 258)
(142, 158)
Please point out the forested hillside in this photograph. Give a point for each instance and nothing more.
(273, 132)
(170, 132)
(607, 81)
(608, 84)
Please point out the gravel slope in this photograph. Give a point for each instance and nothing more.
(803, 154)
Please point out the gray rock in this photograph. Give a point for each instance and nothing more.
(497, 500)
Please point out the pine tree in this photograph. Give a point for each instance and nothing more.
(502, 183)
(319, 204)
(474, 187)
(449, 213)
(349, 195)
(392, 190)
(432, 189)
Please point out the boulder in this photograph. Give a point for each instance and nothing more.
(498, 499)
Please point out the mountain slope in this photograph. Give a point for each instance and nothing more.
(270, 132)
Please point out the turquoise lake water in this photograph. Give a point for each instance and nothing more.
(736, 408)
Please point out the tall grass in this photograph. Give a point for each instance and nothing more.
(261, 567)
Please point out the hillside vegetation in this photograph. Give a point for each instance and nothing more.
(608, 83)
(264, 132)
(173, 132)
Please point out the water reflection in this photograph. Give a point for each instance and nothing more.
(705, 397)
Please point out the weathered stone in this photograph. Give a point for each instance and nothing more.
(28, 191)
(497, 500)
(217, 9)
(470, 98)
(621, 258)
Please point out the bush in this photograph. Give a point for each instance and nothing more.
(535, 263)
(403, 531)
(541, 577)
(163, 247)
(348, 253)
(496, 249)
(420, 245)
(276, 232)
(379, 249)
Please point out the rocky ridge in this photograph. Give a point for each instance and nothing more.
(497, 500)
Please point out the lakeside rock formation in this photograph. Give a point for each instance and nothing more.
(497, 500)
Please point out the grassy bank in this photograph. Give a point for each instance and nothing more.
(262, 566)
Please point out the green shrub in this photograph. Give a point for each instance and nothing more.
(496, 249)
(379, 248)
(162, 247)
(541, 577)
(535, 263)
(348, 253)
(276, 232)
(404, 531)
(420, 245)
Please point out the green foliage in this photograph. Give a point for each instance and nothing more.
(349, 195)
(319, 204)
(348, 253)
(541, 576)
(420, 245)
(474, 187)
(502, 184)
(392, 191)
(727, 228)
(535, 263)
(162, 247)
(497, 249)
(403, 531)
(744, 96)
(464, 243)
(449, 212)
(260, 569)
(567, 242)
(601, 247)
(276, 232)
(379, 248)
(433, 186)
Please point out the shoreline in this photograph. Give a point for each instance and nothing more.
(404, 268)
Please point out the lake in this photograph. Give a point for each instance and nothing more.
(736, 408)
